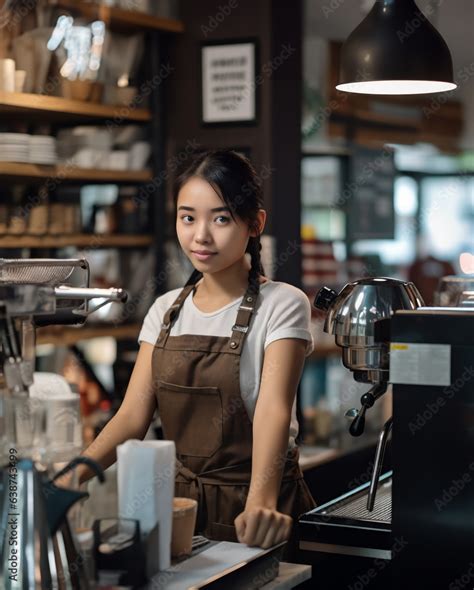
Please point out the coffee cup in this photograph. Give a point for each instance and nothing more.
(184, 521)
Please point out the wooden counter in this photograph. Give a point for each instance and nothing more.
(311, 457)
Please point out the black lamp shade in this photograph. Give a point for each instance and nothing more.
(395, 50)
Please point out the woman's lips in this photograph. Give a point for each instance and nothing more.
(204, 257)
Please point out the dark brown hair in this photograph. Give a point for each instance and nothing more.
(233, 178)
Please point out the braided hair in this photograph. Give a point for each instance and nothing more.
(234, 178)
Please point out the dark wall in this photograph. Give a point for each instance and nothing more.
(274, 141)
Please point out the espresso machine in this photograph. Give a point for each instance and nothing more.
(37, 547)
(413, 524)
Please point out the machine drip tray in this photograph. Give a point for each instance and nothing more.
(345, 526)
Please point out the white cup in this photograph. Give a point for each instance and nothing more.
(62, 428)
(20, 77)
(7, 75)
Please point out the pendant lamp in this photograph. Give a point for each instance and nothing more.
(395, 50)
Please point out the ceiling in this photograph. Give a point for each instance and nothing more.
(335, 19)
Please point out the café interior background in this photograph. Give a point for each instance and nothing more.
(376, 187)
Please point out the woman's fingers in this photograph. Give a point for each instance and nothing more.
(279, 532)
(240, 527)
(270, 538)
(262, 527)
(266, 523)
(252, 522)
(285, 530)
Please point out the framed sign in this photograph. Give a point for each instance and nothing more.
(371, 209)
(228, 93)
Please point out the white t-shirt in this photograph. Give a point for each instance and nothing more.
(282, 311)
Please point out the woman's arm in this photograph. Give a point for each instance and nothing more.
(261, 524)
(131, 420)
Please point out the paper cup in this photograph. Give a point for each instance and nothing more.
(184, 521)
(7, 75)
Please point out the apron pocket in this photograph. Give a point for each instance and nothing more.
(192, 417)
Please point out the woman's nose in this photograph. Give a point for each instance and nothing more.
(202, 233)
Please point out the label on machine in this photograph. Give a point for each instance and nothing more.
(420, 364)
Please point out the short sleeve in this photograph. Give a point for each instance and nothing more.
(290, 317)
(152, 323)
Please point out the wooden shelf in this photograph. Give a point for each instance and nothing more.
(79, 240)
(57, 108)
(16, 171)
(387, 120)
(61, 335)
(120, 19)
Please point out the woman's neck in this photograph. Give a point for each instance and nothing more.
(230, 282)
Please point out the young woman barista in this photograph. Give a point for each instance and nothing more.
(222, 358)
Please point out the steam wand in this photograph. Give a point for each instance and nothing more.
(379, 455)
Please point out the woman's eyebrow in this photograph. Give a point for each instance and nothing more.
(215, 210)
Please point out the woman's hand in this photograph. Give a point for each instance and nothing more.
(262, 527)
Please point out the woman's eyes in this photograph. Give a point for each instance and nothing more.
(189, 219)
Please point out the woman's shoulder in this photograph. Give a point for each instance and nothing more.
(153, 320)
(166, 300)
(282, 290)
(281, 295)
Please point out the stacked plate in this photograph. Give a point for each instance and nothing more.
(22, 147)
(14, 147)
(43, 149)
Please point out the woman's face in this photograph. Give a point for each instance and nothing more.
(208, 235)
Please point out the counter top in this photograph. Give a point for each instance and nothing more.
(314, 456)
(311, 456)
(234, 564)
(289, 576)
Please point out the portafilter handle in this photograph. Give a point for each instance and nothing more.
(64, 292)
(324, 298)
(367, 401)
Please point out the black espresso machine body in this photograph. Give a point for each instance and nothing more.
(432, 372)
(421, 531)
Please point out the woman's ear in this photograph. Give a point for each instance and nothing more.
(259, 223)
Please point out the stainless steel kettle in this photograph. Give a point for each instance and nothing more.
(37, 546)
(354, 315)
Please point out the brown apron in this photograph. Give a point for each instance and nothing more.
(197, 384)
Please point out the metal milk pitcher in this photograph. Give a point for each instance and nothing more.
(37, 546)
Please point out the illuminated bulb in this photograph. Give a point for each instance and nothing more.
(122, 82)
(466, 262)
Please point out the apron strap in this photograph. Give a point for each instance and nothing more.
(239, 329)
(196, 492)
(242, 322)
(172, 313)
